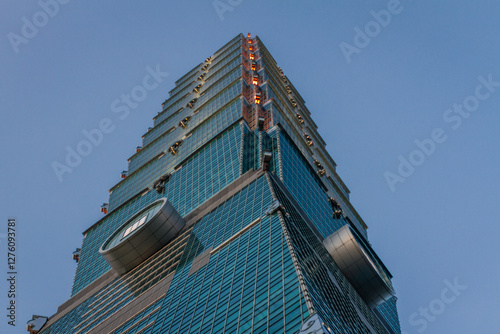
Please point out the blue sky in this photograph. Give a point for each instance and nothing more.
(438, 223)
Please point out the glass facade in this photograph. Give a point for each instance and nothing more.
(257, 193)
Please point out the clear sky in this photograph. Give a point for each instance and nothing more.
(375, 83)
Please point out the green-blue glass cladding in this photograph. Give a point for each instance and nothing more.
(249, 286)
(238, 38)
(92, 265)
(216, 102)
(122, 290)
(182, 89)
(227, 52)
(137, 182)
(334, 299)
(302, 182)
(285, 110)
(179, 92)
(152, 170)
(206, 173)
(304, 185)
(219, 85)
(250, 152)
(199, 178)
(178, 102)
(389, 312)
(178, 99)
(189, 77)
(213, 86)
(273, 88)
(219, 63)
(269, 142)
(186, 76)
(277, 98)
(214, 75)
(225, 115)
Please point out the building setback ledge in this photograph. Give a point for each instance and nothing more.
(155, 293)
(190, 219)
(222, 196)
(81, 296)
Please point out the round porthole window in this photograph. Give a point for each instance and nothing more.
(142, 235)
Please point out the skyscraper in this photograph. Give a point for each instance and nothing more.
(231, 218)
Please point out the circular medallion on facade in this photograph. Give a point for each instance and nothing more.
(142, 235)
